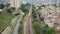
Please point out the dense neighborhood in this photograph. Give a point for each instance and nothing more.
(25, 17)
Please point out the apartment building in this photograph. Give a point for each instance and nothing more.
(15, 3)
(51, 15)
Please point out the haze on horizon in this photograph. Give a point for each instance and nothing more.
(31, 1)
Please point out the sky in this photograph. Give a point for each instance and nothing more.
(47, 1)
(34, 0)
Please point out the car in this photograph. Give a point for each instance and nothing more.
(1, 10)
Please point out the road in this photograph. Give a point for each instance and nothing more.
(28, 23)
(17, 26)
(30, 31)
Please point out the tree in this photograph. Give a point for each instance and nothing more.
(36, 26)
(43, 6)
(9, 11)
(54, 5)
(7, 5)
(34, 12)
(41, 18)
(39, 8)
(49, 30)
(25, 7)
(1, 6)
(13, 8)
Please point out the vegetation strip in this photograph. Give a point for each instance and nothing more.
(5, 20)
(39, 27)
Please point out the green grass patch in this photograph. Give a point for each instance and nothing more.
(5, 20)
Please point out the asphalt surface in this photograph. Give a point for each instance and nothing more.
(17, 26)
(30, 25)
(30, 31)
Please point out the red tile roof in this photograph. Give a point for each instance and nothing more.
(57, 20)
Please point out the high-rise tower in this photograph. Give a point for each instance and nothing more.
(15, 3)
(12, 3)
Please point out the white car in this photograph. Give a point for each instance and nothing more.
(1, 10)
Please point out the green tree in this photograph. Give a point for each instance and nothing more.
(54, 5)
(49, 30)
(9, 11)
(7, 5)
(41, 18)
(1, 6)
(25, 7)
(43, 6)
(34, 12)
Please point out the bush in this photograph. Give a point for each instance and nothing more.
(49, 30)
(21, 26)
(9, 11)
(41, 18)
(17, 14)
(1, 6)
(36, 26)
(43, 6)
(25, 8)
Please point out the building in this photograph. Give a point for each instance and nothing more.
(50, 16)
(12, 3)
(15, 3)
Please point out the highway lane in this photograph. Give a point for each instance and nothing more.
(30, 25)
(17, 25)
(30, 31)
